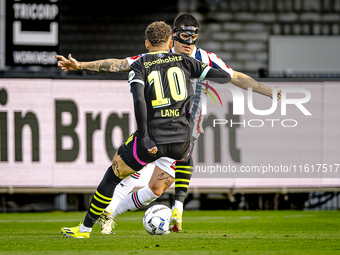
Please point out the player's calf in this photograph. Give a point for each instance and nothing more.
(160, 181)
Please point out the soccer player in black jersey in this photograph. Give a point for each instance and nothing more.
(161, 98)
(187, 28)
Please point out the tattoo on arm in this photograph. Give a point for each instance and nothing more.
(168, 179)
(115, 168)
(106, 66)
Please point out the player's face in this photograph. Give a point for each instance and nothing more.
(186, 37)
(184, 48)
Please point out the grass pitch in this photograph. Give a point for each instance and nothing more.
(205, 232)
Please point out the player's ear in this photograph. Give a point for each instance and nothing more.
(147, 44)
(170, 45)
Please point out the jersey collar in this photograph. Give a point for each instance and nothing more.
(156, 52)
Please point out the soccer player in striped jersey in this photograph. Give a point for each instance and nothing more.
(185, 35)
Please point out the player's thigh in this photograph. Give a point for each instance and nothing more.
(133, 153)
(166, 164)
(120, 168)
(179, 151)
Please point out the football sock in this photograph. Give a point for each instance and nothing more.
(122, 190)
(102, 197)
(83, 229)
(183, 172)
(135, 200)
(178, 205)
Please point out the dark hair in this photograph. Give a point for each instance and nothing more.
(185, 20)
(158, 33)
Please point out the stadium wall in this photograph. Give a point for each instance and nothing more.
(239, 30)
(60, 136)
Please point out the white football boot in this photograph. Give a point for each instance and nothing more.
(106, 223)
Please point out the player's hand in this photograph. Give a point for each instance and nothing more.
(176, 220)
(278, 92)
(68, 64)
(149, 145)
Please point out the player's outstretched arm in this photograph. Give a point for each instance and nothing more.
(244, 81)
(102, 66)
(216, 75)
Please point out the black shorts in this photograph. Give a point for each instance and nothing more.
(136, 157)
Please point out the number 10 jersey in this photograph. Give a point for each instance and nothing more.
(168, 93)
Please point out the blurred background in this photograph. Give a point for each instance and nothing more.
(270, 40)
(244, 33)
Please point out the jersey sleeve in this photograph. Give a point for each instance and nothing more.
(198, 70)
(219, 62)
(136, 74)
(202, 71)
(131, 60)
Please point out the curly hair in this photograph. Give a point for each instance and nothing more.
(158, 33)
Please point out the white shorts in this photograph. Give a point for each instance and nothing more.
(167, 165)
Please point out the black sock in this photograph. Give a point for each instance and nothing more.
(183, 174)
(102, 197)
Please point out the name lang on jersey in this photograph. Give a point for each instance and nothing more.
(162, 61)
(170, 113)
